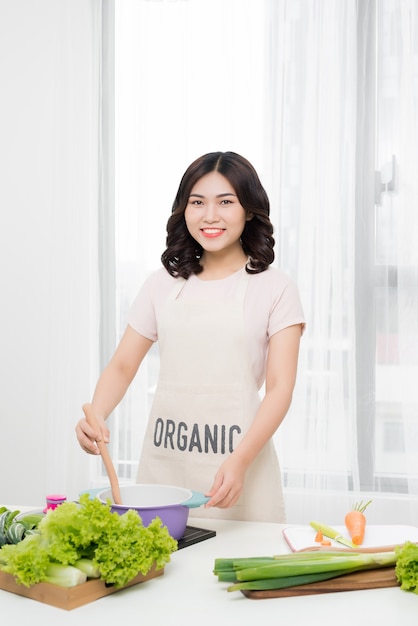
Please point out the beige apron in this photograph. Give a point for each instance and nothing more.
(206, 398)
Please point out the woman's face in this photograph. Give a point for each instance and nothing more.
(214, 216)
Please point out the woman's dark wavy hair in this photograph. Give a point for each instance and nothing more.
(183, 253)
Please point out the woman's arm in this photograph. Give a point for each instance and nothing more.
(281, 372)
(112, 386)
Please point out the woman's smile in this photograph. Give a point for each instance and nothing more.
(212, 232)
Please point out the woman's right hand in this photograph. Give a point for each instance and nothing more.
(87, 436)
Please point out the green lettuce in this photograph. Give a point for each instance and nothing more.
(27, 560)
(119, 546)
(406, 568)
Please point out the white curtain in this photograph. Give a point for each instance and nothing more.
(347, 88)
(313, 113)
(306, 90)
(49, 316)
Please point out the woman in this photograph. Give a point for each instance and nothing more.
(226, 323)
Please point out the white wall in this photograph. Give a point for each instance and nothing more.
(49, 54)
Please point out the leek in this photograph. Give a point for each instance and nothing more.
(226, 569)
(284, 582)
(298, 568)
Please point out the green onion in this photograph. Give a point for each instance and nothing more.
(327, 531)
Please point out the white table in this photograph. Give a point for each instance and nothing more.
(188, 592)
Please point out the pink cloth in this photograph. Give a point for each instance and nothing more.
(272, 303)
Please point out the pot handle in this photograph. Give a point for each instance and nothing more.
(197, 499)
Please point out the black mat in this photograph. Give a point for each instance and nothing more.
(194, 535)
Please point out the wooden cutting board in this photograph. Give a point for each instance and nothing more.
(371, 579)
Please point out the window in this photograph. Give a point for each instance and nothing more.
(395, 269)
(319, 96)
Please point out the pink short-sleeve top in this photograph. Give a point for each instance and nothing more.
(272, 303)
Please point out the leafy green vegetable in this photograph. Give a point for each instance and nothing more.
(119, 546)
(6, 520)
(406, 568)
(31, 520)
(27, 560)
(13, 529)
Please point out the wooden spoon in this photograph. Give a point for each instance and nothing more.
(114, 483)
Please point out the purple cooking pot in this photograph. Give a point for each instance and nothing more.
(171, 504)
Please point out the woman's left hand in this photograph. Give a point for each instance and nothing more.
(228, 484)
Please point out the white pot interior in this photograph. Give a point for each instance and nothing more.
(141, 496)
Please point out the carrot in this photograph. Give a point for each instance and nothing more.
(319, 537)
(326, 542)
(355, 522)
